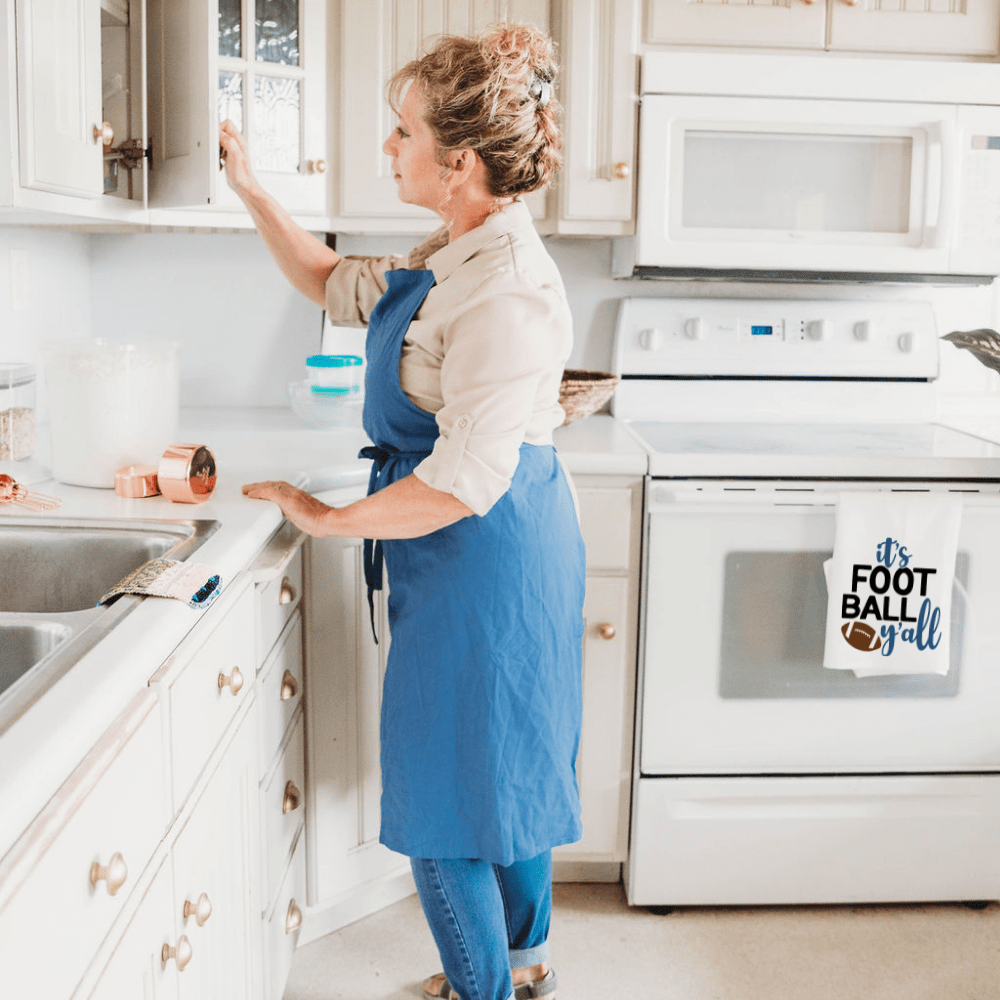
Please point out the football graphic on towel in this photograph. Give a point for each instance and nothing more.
(861, 636)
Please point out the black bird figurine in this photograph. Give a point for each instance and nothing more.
(984, 344)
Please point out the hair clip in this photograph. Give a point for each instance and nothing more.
(541, 91)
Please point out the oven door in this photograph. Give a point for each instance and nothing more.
(849, 186)
(734, 626)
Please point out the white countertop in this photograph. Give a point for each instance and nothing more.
(249, 445)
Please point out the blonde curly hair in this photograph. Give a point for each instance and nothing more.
(493, 94)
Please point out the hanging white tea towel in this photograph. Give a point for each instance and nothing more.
(890, 583)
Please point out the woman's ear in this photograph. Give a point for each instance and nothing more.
(463, 165)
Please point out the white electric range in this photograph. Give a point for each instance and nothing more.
(761, 776)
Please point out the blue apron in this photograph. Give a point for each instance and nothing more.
(481, 700)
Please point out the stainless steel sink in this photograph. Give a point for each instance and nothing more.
(53, 571)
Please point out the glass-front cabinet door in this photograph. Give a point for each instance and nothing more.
(262, 65)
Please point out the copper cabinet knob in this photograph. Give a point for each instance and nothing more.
(201, 910)
(104, 132)
(606, 630)
(291, 800)
(234, 681)
(289, 686)
(620, 171)
(114, 874)
(316, 166)
(287, 592)
(181, 953)
(293, 918)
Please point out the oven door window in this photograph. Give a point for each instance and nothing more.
(773, 627)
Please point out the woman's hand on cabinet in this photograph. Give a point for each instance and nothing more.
(235, 157)
(303, 510)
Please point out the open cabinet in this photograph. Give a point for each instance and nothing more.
(260, 63)
(81, 97)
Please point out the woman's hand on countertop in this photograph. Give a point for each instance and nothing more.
(302, 509)
(407, 508)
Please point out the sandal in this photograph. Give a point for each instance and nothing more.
(526, 991)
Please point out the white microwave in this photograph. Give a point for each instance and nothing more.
(816, 167)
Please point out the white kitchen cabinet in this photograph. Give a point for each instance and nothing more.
(280, 779)
(70, 875)
(925, 27)
(350, 873)
(136, 968)
(932, 27)
(611, 520)
(195, 933)
(59, 95)
(216, 900)
(72, 107)
(377, 37)
(259, 63)
(598, 89)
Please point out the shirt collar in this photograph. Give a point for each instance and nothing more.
(442, 262)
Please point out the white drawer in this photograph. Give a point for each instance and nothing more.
(113, 804)
(281, 932)
(205, 692)
(606, 525)
(283, 802)
(280, 691)
(276, 603)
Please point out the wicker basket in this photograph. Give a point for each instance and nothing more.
(583, 393)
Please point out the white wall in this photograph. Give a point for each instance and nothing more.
(57, 296)
(245, 332)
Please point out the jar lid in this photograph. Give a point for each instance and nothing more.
(13, 374)
(333, 360)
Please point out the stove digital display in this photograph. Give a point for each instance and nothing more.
(761, 331)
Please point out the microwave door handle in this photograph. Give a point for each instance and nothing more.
(942, 154)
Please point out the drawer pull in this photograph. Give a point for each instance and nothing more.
(287, 593)
(291, 801)
(201, 910)
(293, 919)
(606, 630)
(181, 954)
(114, 874)
(234, 681)
(289, 686)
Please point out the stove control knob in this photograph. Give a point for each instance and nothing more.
(694, 329)
(908, 342)
(651, 339)
(865, 330)
(818, 329)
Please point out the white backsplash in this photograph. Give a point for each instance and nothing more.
(245, 332)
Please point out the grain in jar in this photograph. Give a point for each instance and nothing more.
(17, 411)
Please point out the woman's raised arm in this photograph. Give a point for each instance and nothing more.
(304, 260)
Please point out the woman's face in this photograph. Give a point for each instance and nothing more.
(414, 162)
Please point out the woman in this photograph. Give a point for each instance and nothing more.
(467, 339)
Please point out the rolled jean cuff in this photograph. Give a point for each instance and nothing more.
(525, 957)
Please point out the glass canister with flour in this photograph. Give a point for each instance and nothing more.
(17, 412)
(110, 404)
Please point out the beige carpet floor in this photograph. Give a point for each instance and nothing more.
(603, 950)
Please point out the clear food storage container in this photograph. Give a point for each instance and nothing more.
(110, 405)
(335, 373)
(17, 412)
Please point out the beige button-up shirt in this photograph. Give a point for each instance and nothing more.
(485, 353)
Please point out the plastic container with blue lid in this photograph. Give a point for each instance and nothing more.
(334, 374)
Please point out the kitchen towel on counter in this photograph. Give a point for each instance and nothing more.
(889, 583)
(194, 584)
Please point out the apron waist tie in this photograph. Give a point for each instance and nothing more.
(374, 561)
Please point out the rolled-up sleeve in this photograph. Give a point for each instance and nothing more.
(355, 285)
(499, 346)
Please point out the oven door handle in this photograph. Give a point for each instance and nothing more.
(670, 499)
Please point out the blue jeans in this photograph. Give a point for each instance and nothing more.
(486, 919)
